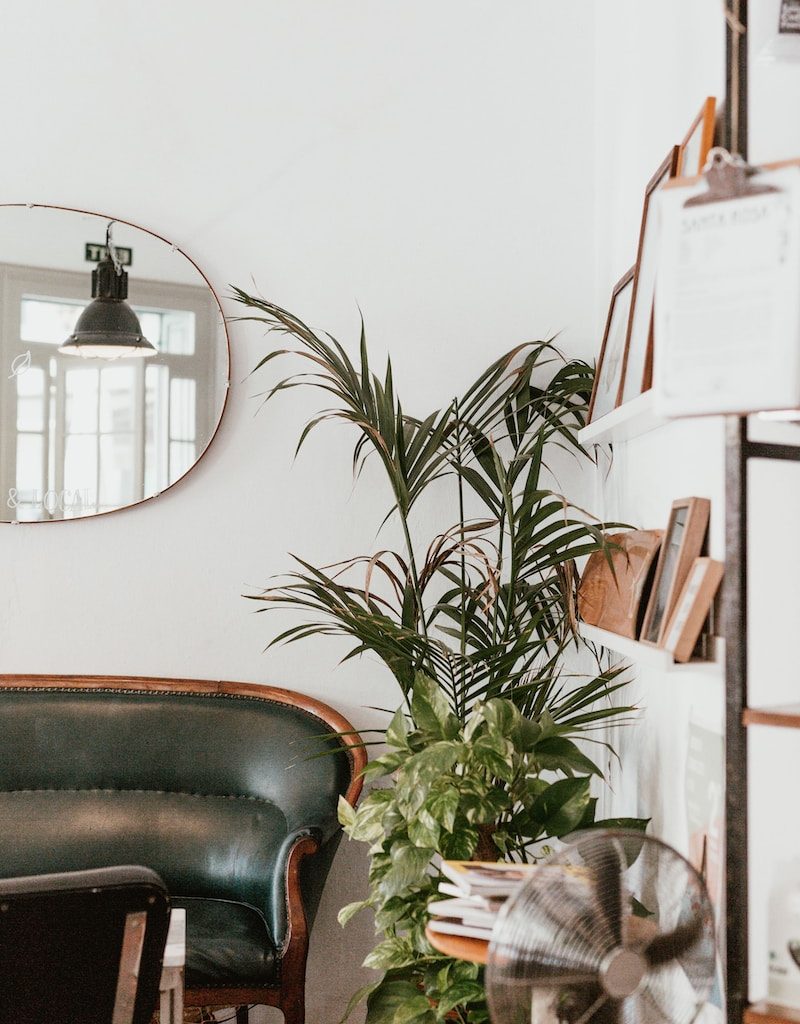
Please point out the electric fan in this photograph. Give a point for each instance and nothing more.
(616, 928)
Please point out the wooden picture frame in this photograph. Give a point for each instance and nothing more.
(612, 351)
(613, 588)
(637, 364)
(698, 140)
(682, 544)
(692, 607)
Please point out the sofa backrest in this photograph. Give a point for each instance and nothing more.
(203, 782)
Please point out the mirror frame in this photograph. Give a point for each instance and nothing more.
(226, 335)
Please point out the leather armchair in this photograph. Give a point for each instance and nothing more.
(215, 786)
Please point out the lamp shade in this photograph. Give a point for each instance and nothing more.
(108, 328)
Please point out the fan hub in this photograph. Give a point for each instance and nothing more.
(622, 972)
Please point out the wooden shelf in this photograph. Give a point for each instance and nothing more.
(783, 716)
(770, 1013)
(626, 421)
(653, 657)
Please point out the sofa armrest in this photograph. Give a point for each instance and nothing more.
(288, 917)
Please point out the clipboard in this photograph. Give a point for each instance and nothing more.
(727, 310)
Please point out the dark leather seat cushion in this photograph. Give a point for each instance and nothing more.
(227, 945)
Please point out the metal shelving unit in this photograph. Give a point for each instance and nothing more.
(740, 450)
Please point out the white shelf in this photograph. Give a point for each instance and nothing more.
(653, 657)
(621, 424)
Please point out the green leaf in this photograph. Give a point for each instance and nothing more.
(408, 867)
(587, 821)
(495, 753)
(485, 807)
(430, 709)
(464, 970)
(397, 732)
(393, 911)
(396, 1002)
(635, 824)
(460, 845)
(367, 825)
(458, 994)
(433, 762)
(526, 734)
(501, 716)
(350, 910)
(561, 806)
(392, 952)
(385, 765)
(359, 996)
(639, 909)
(423, 830)
(443, 807)
(346, 813)
(556, 753)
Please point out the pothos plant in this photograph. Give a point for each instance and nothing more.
(474, 623)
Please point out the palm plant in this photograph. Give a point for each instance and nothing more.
(474, 623)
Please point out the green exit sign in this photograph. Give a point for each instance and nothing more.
(96, 251)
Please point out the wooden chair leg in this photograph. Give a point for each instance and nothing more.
(294, 1008)
(242, 1014)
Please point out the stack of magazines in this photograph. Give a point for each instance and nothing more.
(474, 893)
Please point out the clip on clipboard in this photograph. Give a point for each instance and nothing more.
(728, 177)
(727, 320)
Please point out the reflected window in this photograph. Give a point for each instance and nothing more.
(91, 435)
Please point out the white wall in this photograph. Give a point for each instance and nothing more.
(432, 162)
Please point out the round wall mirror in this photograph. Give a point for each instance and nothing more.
(114, 364)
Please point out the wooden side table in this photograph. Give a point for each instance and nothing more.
(171, 986)
(459, 946)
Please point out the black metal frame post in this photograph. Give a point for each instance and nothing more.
(734, 612)
(734, 136)
(734, 594)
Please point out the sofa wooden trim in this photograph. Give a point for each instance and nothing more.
(289, 994)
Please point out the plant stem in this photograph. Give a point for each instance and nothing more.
(463, 645)
(412, 567)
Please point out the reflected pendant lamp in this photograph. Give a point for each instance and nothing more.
(108, 328)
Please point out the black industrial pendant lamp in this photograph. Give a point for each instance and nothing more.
(108, 328)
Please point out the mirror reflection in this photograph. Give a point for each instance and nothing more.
(87, 425)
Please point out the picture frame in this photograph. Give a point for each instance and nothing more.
(612, 351)
(682, 544)
(692, 607)
(637, 364)
(698, 140)
(614, 584)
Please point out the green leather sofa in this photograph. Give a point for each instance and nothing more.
(214, 786)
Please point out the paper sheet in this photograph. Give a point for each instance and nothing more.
(727, 320)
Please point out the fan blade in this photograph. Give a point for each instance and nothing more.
(672, 945)
(607, 865)
(520, 1000)
(569, 1001)
(589, 1005)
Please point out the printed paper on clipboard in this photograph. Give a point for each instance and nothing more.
(727, 312)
